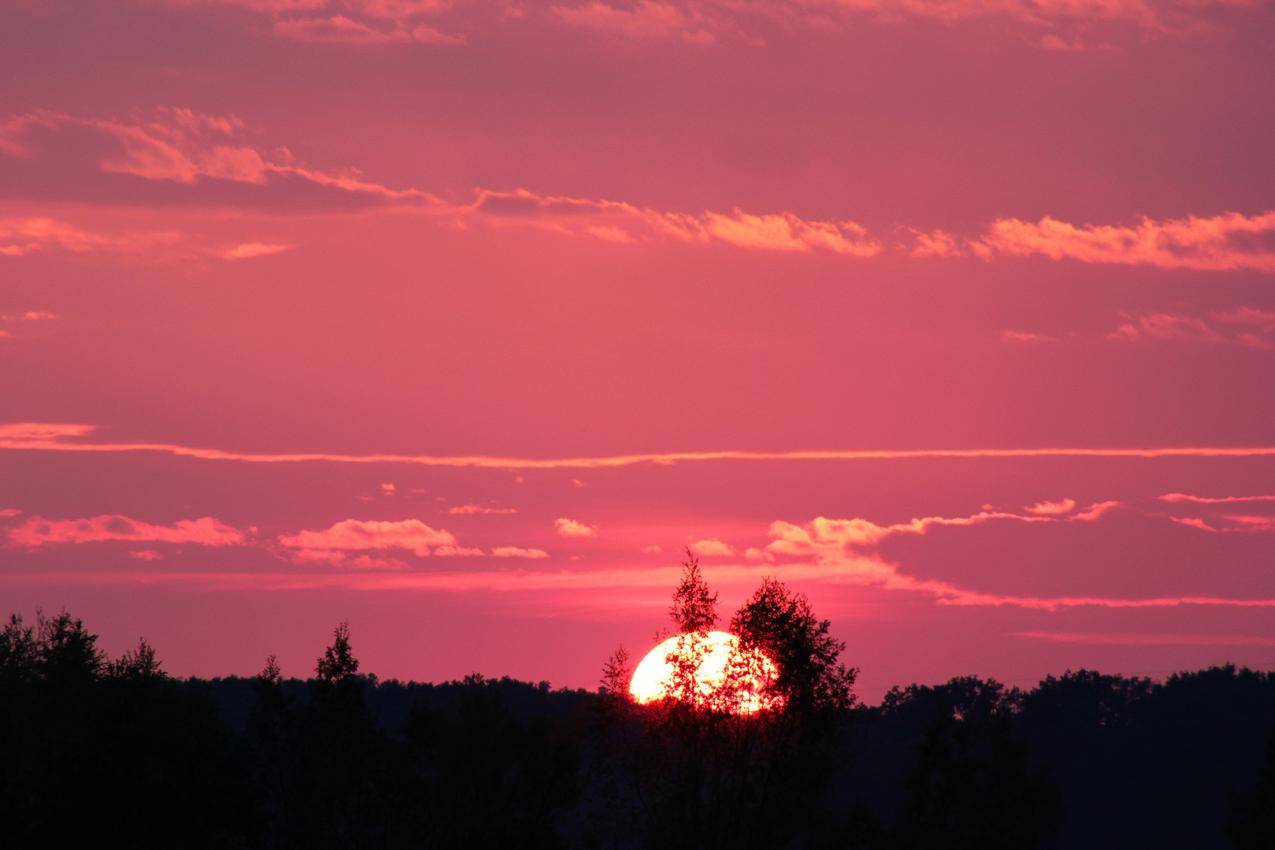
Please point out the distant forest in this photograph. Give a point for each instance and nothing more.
(114, 753)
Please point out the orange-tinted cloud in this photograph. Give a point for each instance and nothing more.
(356, 534)
(1227, 242)
(1179, 498)
(181, 154)
(1052, 508)
(53, 437)
(617, 221)
(518, 552)
(712, 548)
(844, 548)
(1136, 639)
(574, 528)
(38, 531)
(463, 510)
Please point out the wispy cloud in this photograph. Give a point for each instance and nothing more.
(61, 437)
(846, 550)
(1140, 639)
(1180, 498)
(465, 510)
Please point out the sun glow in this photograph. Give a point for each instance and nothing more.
(710, 670)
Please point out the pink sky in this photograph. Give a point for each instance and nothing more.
(459, 320)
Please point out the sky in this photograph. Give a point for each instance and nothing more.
(461, 320)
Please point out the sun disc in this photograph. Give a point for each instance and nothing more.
(719, 667)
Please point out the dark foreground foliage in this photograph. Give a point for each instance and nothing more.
(115, 754)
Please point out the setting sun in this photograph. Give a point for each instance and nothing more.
(721, 670)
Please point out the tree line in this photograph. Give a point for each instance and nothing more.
(118, 754)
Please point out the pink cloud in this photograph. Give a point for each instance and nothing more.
(1178, 498)
(1048, 508)
(1025, 337)
(838, 547)
(699, 22)
(1135, 639)
(463, 510)
(518, 552)
(339, 29)
(181, 148)
(1226, 242)
(935, 243)
(573, 528)
(204, 531)
(644, 19)
(146, 555)
(21, 237)
(249, 250)
(356, 534)
(711, 548)
(783, 231)
(1248, 328)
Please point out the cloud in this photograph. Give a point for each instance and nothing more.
(355, 535)
(645, 19)
(1237, 524)
(572, 528)
(1180, 498)
(1025, 337)
(30, 316)
(1047, 508)
(146, 555)
(339, 29)
(1137, 639)
(711, 548)
(38, 531)
(462, 510)
(357, 23)
(168, 155)
(617, 221)
(21, 237)
(249, 250)
(1053, 24)
(1246, 327)
(1227, 242)
(845, 550)
(518, 552)
(935, 243)
(58, 437)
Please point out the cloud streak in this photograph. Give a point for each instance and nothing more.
(58, 437)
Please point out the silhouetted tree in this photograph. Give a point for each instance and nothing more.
(139, 664)
(704, 773)
(972, 787)
(66, 652)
